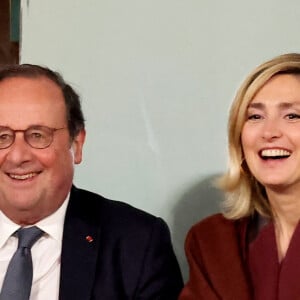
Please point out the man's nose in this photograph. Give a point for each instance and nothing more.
(19, 151)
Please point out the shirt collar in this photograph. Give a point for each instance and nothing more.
(51, 225)
(7, 228)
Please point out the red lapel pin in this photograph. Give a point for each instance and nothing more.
(89, 239)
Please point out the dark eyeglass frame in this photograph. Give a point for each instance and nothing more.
(12, 134)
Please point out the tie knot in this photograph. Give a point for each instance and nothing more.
(28, 236)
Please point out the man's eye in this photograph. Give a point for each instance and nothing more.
(5, 136)
(293, 116)
(36, 135)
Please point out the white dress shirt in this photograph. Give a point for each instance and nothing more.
(46, 253)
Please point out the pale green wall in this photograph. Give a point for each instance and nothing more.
(156, 79)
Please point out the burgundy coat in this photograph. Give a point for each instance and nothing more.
(215, 249)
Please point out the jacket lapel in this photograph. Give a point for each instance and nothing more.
(80, 248)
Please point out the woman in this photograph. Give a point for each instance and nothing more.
(252, 250)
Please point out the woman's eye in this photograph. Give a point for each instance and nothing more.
(293, 116)
(254, 117)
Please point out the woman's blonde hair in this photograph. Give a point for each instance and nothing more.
(244, 194)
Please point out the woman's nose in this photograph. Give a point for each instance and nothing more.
(271, 129)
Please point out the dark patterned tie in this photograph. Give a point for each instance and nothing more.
(18, 278)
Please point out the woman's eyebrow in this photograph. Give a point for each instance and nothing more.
(260, 105)
(289, 104)
(256, 105)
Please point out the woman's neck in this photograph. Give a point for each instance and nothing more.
(286, 215)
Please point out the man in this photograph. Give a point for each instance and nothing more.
(92, 247)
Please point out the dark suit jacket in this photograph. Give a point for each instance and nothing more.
(215, 249)
(111, 250)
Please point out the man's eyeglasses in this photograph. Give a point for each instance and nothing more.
(38, 137)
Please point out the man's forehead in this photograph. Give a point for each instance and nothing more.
(26, 79)
(24, 86)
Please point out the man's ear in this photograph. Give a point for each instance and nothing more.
(77, 146)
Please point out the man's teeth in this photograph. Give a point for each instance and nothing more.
(22, 177)
(275, 153)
